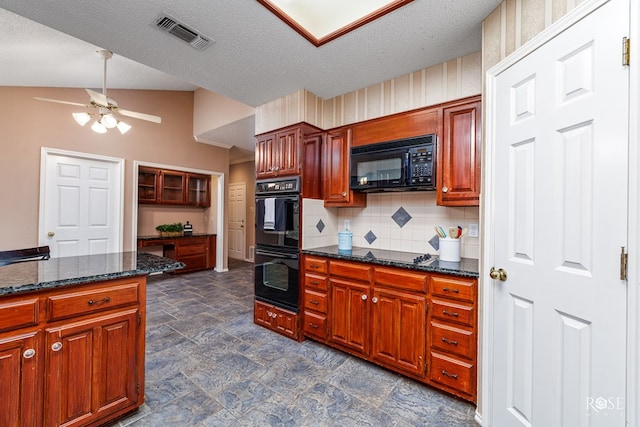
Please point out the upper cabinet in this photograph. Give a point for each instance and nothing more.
(169, 187)
(336, 171)
(280, 153)
(458, 167)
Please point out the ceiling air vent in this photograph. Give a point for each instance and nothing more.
(176, 28)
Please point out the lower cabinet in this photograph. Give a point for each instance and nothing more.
(282, 321)
(420, 324)
(196, 252)
(79, 361)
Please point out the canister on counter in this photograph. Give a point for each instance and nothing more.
(188, 229)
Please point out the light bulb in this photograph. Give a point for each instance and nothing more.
(108, 121)
(81, 118)
(98, 127)
(123, 127)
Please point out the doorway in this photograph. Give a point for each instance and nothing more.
(237, 220)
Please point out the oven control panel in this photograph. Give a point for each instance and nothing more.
(277, 186)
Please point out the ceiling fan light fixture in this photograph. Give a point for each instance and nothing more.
(98, 127)
(108, 121)
(123, 127)
(81, 118)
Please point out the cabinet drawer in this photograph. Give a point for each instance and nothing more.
(18, 314)
(350, 270)
(316, 282)
(405, 280)
(451, 372)
(315, 265)
(453, 340)
(315, 324)
(91, 301)
(315, 301)
(194, 247)
(452, 312)
(453, 287)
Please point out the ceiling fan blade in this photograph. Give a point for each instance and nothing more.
(98, 97)
(142, 116)
(60, 102)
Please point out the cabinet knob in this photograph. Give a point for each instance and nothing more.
(445, 189)
(364, 297)
(344, 194)
(56, 346)
(29, 353)
(374, 300)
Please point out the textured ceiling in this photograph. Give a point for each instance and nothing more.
(255, 58)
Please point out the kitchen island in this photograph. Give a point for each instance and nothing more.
(72, 338)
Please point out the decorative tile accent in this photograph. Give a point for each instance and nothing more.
(435, 242)
(370, 237)
(320, 226)
(401, 217)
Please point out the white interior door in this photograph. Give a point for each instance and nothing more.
(80, 203)
(558, 220)
(237, 220)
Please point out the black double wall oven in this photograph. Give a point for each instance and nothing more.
(277, 242)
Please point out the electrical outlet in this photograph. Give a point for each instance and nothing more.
(473, 230)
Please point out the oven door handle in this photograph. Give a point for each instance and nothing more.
(276, 254)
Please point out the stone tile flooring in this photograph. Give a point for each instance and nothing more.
(208, 364)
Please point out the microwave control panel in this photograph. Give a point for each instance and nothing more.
(422, 165)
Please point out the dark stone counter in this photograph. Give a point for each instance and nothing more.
(58, 272)
(467, 267)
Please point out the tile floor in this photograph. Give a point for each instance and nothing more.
(207, 364)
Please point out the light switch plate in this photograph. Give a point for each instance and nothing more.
(473, 230)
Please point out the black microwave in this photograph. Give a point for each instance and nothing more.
(404, 164)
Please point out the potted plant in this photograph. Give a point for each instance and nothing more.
(170, 230)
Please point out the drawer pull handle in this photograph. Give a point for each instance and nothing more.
(29, 353)
(314, 282)
(314, 266)
(448, 313)
(455, 291)
(314, 302)
(449, 341)
(103, 300)
(313, 325)
(447, 374)
(56, 346)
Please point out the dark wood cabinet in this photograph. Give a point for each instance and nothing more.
(75, 356)
(168, 187)
(336, 171)
(349, 315)
(459, 156)
(282, 321)
(196, 252)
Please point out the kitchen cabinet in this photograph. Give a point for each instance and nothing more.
(277, 319)
(336, 171)
(280, 153)
(417, 323)
(169, 187)
(459, 155)
(196, 252)
(73, 356)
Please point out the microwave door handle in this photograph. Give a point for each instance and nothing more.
(407, 168)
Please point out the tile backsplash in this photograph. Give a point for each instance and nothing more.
(396, 221)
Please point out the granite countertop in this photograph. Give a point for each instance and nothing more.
(158, 237)
(58, 272)
(467, 267)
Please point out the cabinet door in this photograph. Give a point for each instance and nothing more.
(91, 368)
(20, 371)
(399, 330)
(349, 315)
(263, 314)
(336, 171)
(172, 188)
(459, 161)
(148, 185)
(311, 167)
(264, 156)
(286, 152)
(198, 190)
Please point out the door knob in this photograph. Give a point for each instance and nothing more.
(51, 234)
(499, 274)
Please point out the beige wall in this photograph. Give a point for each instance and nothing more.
(515, 22)
(28, 125)
(245, 172)
(443, 82)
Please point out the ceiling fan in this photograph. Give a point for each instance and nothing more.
(104, 107)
